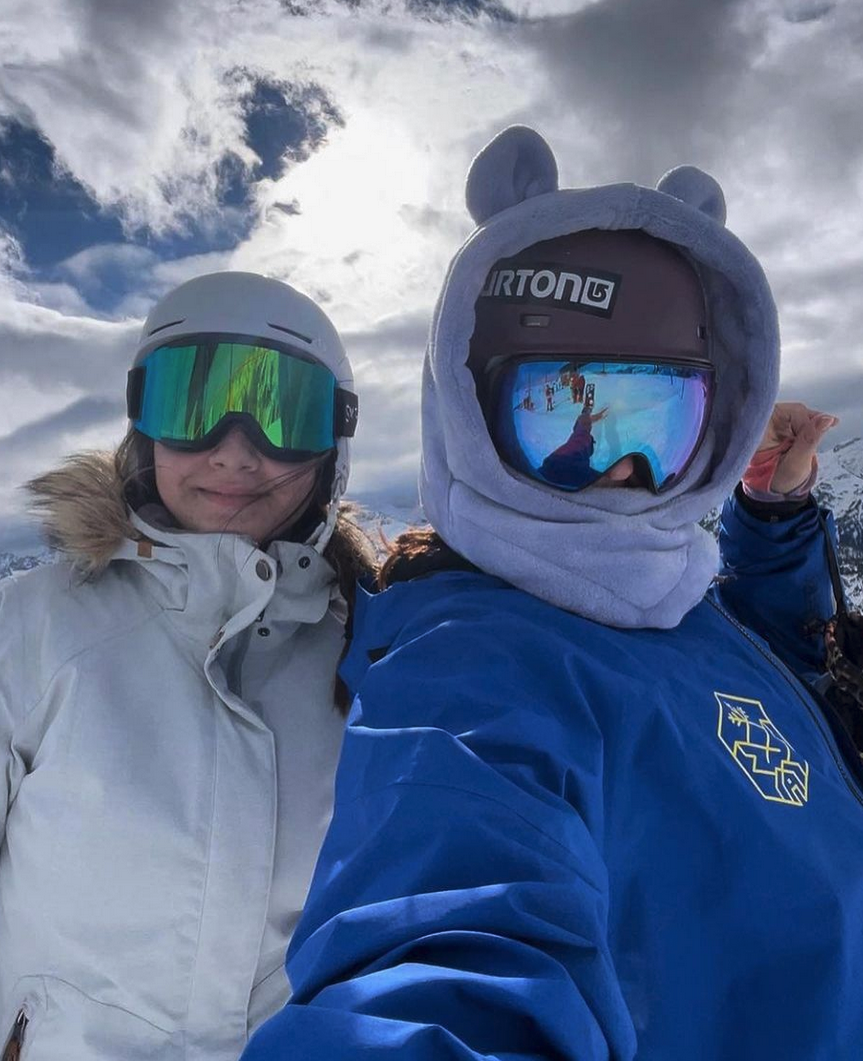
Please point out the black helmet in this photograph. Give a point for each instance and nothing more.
(614, 293)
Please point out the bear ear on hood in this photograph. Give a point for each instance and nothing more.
(696, 188)
(516, 165)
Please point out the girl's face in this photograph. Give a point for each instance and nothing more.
(233, 487)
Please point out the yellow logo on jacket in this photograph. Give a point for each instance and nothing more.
(761, 752)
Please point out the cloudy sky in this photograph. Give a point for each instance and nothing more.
(326, 142)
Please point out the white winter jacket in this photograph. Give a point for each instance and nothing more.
(168, 742)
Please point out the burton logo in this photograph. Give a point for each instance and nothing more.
(761, 752)
(585, 290)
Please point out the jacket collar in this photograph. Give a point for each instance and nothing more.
(207, 581)
(203, 580)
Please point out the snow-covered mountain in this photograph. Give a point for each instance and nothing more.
(10, 562)
(385, 522)
(840, 488)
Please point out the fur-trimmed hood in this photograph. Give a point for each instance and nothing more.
(82, 510)
(84, 516)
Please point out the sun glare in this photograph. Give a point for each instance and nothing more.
(351, 191)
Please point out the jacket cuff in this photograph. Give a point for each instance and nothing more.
(772, 511)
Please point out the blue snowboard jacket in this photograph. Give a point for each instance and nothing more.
(564, 841)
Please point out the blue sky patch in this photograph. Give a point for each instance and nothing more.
(51, 214)
(55, 218)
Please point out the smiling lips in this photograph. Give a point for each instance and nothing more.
(229, 498)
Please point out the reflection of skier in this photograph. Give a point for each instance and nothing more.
(549, 398)
(569, 464)
(576, 386)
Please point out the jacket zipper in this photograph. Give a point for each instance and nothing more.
(795, 683)
(16, 1039)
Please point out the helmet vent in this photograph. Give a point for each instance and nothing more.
(162, 327)
(290, 331)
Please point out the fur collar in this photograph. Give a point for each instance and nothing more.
(82, 510)
(85, 517)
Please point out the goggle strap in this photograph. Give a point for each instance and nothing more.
(346, 412)
(135, 391)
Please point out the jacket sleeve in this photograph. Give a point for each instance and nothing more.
(777, 579)
(458, 911)
(12, 692)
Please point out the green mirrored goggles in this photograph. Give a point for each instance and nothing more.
(187, 394)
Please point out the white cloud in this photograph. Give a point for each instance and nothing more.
(84, 423)
(62, 380)
(623, 89)
(64, 298)
(123, 100)
(387, 363)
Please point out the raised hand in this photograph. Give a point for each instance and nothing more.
(785, 459)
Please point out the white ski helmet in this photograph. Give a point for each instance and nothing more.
(238, 303)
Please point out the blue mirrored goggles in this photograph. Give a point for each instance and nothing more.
(189, 393)
(565, 422)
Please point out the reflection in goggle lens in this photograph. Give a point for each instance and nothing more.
(565, 422)
(188, 391)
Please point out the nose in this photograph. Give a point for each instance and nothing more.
(235, 452)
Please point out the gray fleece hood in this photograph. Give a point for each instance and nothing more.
(624, 557)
